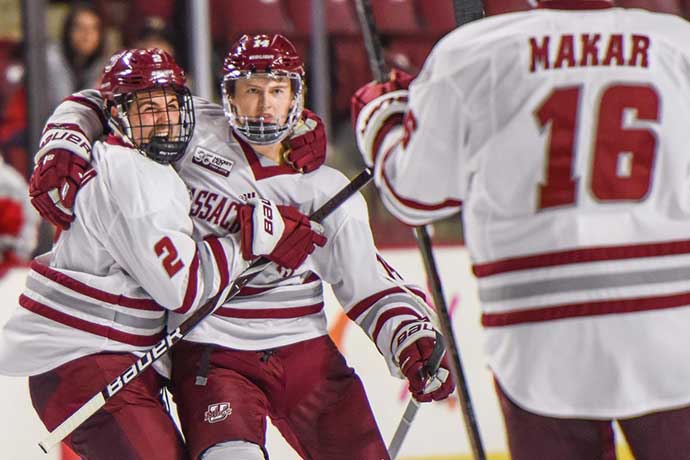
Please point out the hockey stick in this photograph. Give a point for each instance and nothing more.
(153, 354)
(468, 414)
(376, 60)
(467, 11)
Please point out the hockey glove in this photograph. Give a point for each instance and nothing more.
(412, 346)
(280, 233)
(307, 145)
(54, 185)
(376, 108)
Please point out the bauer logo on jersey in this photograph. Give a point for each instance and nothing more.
(212, 161)
(217, 412)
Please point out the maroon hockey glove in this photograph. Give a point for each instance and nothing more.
(281, 233)
(307, 144)
(376, 109)
(415, 343)
(370, 91)
(54, 185)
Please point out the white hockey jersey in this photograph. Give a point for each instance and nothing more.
(278, 307)
(563, 137)
(126, 261)
(14, 187)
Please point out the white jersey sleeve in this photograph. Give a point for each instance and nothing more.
(427, 149)
(367, 287)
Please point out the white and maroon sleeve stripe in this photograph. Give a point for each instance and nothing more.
(74, 125)
(380, 315)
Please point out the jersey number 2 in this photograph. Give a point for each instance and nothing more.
(622, 157)
(171, 261)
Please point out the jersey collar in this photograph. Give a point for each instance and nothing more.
(576, 4)
(112, 139)
(260, 171)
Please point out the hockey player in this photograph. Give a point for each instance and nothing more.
(267, 353)
(18, 220)
(100, 298)
(561, 133)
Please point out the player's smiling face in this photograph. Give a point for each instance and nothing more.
(263, 96)
(154, 113)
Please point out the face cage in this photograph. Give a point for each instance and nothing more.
(161, 149)
(253, 129)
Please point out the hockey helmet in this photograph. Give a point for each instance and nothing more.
(134, 77)
(263, 56)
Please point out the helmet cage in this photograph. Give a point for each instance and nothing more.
(166, 148)
(255, 130)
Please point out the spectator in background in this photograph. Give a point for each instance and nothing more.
(155, 34)
(77, 61)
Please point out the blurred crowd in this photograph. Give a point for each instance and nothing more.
(82, 35)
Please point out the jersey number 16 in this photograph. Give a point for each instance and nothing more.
(622, 157)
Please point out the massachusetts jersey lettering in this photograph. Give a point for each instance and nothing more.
(216, 209)
(280, 306)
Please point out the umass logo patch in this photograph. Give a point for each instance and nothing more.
(217, 412)
(212, 161)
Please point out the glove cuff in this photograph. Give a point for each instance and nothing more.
(373, 117)
(65, 138)
(408, 333)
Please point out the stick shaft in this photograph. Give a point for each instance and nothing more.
(467, 11)
(464, 13)
(403, 427)
(458, 373)
(372, 42)
(161, 348)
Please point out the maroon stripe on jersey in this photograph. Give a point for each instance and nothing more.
(190, 293)
(250, 291)
(221, 260)
(81, 288)
(412, 203)
(393, 121)
(604, 307)
(93, 106)
(272, 313)
(575, 256)
(86, 326)
(260, 171)
(112, 139)
(388, 314)
(364, 304)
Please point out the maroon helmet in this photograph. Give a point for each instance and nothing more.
(263, 56)
(134, 75)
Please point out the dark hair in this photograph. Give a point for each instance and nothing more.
(67, 47)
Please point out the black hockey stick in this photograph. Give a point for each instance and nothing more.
(153, 354)
(376, 60)
(467, 11)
